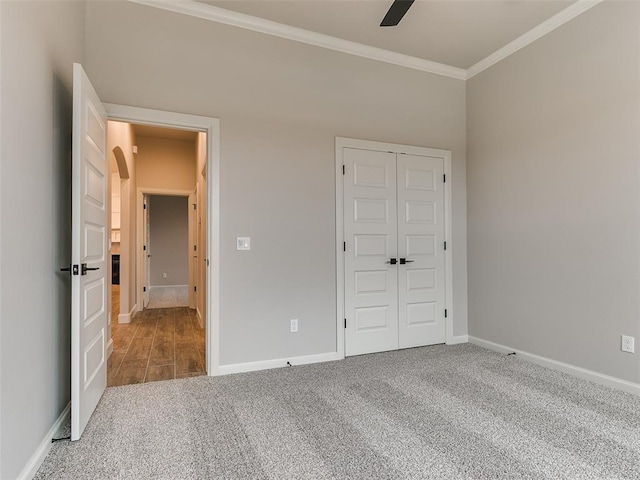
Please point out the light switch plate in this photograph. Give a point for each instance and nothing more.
(243, 243)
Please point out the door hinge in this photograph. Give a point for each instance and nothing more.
(344, 170)
(445, 313)
(144, 206)
(195, 288)
(144, 247)
(344, 246)
(444, 178)
(195, 248)
(445, 245)
(345, 323)
(194, 206)
(144, 289)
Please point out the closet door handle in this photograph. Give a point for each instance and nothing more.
(392, 261)
(404, 261)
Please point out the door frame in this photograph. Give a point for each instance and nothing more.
(342, 142)
(211, 126)
(140, 241)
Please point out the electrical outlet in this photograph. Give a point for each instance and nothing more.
(294, 325)
(628, 344)
(164, 275)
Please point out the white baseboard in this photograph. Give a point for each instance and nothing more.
(126, 317)
(110, 347)
(200, 319)
(459, 339)
(580, 372)
(32, 466)
(304, 360)
(277, 363)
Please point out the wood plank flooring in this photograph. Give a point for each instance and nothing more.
(158, 344)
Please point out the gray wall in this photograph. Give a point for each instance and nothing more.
(169, 239)
(39, 43)
(554, 223)
(281, 104)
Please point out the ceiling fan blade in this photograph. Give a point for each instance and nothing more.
(396, 12)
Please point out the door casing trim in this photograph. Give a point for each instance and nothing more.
(341, 143)
(211, 126)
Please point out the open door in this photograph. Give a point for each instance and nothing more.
(146, 254)
(193, 250)
(88, 253)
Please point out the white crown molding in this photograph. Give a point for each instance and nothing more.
(241, 20)
(559, 19)
(268, 27)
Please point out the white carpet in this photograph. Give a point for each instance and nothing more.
(168, 296)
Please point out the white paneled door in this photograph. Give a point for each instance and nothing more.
(394, 250)
(88, 253)
(421, 266)
(371, 236)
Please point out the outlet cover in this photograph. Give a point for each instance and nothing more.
(628, 344)
(294, 325)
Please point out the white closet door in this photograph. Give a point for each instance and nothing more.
(370, 223)
(421, 233)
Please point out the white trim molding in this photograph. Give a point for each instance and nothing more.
(32, 466)
(126, 317)
(109, 347)
(458, 339)
(548, 26)
(261, 25)
(579, 372)
(278, 363)
(249, 22)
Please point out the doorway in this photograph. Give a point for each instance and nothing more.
(165, 335)
(91, 342)
(166, 224)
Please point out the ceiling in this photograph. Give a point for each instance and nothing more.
(165, 133)
(458, 33)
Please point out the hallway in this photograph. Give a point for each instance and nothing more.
(158, 344)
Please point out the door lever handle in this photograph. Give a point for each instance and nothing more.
(404, 261)
(85, 269)
(392, 261)
(72, 269)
